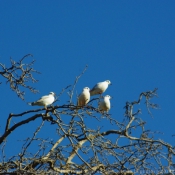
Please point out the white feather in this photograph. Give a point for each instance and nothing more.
(105, 105)
(84, 97)
(44, 101)
(100, 88)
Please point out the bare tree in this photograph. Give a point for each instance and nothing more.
(81, 149)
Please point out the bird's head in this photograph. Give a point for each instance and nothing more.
(107, 96)
(109, 83)
(52, 93)
(86, 88)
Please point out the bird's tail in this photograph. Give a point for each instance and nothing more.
(91, 93)
(31, 104)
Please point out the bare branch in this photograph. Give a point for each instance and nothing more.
(76, 81)
(126, 147)
(18, 75)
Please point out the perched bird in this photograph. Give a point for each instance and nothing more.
(84, 97)
(104, 105)
(99, 88)
(44, 101)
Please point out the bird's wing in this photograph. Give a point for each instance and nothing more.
(96, 86)
(97, 89)
(43, 101)
(43, 98)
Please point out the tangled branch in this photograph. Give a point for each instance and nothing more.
(19, 74)
(128, 147)
(94, 148)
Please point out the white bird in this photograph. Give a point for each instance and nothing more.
(99, 88)
(44, 101)
(105, 105)
(84, 97)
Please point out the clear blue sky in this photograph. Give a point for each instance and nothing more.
(131, 43)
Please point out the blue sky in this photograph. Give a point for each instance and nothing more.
(131, 43)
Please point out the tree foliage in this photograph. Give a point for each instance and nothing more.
(127, 147)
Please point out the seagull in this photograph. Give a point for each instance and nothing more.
(99, 88)
(104, 105)
(84, 97)
(44, 101)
